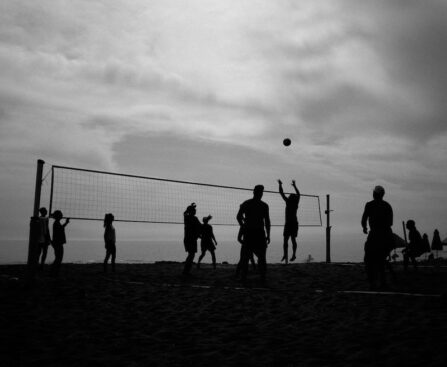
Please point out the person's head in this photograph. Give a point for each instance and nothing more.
(207, 219)
(57, 215)
(191, 209)
(258, 191)
(108, 219)
(43, 211)
(411, 224)
(425, 236)
(378, 192)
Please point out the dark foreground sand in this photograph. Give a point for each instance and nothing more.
(147, 315)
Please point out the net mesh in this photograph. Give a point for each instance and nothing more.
(86, 194)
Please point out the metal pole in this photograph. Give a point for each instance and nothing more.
(328, 229)
(33, 245)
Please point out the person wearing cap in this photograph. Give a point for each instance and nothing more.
(254, 218)
(193, 229)
(208, 241)
(378, 214)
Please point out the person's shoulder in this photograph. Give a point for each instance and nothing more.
(264, 204)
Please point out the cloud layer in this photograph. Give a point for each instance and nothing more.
(358, 86)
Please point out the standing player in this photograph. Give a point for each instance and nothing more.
(379, 215)
(44, 236)
(208, 242)
(254, 217)
(59, 240)
(109, 240)
(291, 224)
(192, 234)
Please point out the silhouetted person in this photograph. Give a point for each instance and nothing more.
(59, 240)
(208, 242)
(192, 234)
(379, 215)
(44, 236)
(425, 243)
(291, 223)
(240, 239)
(415, 246)
(110, 241)
(436, 243)
(254, 217)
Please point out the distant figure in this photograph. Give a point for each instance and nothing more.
(59, 240)
(110, 241)
(208, 242)
(425, 243)
(44, 236)
(379, 215)
(254, 217)
(192, 234)
(415, 246)
(240, 239)
(436, 243)
(291, 223)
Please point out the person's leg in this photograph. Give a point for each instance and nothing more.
(294, 247)
(252, 260)
(44, 255)
(413, 261)
(106, 259)
(113, 258)
(58, 255)
(262, 261)
(188, 263)
(202, 255)
(285, 246)
(213, 257)
(245, 255)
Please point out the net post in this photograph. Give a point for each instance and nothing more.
(328, 229)
(51, 192)
(33, 250)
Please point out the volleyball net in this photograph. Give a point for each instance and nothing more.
(89, 194)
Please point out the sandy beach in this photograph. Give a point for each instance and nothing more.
(148, 315)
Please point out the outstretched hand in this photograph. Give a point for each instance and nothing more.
(280, 182)
(293, 183)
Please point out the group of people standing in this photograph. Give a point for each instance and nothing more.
(378, 214)
(59, 239)
(254, 232)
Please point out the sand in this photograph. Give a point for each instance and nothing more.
(148, 315)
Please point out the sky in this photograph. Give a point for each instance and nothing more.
(207, 90)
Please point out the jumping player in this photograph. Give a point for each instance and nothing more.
(291, 224)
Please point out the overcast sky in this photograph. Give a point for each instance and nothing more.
(206, 90)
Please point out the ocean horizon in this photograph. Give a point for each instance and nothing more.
(15, 251)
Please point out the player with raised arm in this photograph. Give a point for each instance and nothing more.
(291, 224)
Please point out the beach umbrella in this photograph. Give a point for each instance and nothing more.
(399, 242)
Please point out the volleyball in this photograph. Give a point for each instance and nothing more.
(287, 142)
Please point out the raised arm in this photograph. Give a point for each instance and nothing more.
(281, 191)
(296, 189)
